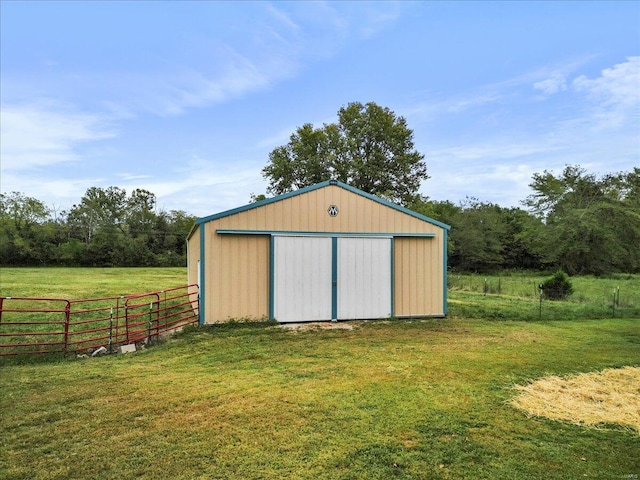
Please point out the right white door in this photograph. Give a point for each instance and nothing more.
(364, 278)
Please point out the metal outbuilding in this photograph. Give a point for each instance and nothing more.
(324, 252)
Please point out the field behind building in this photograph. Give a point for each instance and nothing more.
(369, 400)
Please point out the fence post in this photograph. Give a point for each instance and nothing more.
(126, 320)
(118, 317)
(67, 317)
(164, 312)
(540, 311)
(149, 324)
(111, 330)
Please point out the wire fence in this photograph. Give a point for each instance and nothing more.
(52, 325)
(521, 297)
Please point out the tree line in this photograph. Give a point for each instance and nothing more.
(106, 228)
(574, 221)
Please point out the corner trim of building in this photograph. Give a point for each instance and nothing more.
(202, 275)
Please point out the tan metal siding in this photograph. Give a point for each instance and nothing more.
(418, 276)
(237, 277)
(308, 212)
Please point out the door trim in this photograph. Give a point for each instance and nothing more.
(334, 268)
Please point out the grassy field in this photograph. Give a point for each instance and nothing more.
(515, 296)
(387, 399)
(90, 323)
(79, 283)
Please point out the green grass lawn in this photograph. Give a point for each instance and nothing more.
(389, 399)
(79, 283)
(398, 399)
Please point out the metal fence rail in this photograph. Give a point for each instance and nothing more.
(53, 325)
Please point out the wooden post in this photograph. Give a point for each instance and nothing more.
(540, 312)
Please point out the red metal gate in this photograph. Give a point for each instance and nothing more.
(52, 325)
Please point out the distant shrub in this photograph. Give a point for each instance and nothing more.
(558, 287)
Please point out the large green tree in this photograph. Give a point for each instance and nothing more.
(20, 220)
(370, 148)
(485, 237)
(592, 225)
(478, 232)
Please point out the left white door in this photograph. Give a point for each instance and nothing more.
(302, 279)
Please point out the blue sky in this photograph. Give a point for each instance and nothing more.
(187, 99)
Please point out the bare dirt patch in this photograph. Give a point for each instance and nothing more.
(611, 396)
(302, 326)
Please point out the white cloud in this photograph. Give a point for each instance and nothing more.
(275, 48)
(614, 96)
(556, 83)
(54, 191)
(221, 65)
(497, 171)
(598, 129)
(280, 137)
(131, 176)
(619, 85)
(462, 104)
(200, 187)
(232, 76)
(204, 187)
(498, 149)
(551, 79)
(500, 170)
(373, 20)
(503, 181)
(283, 18)
(42, 134)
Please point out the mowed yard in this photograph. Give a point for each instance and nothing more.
(384, 399)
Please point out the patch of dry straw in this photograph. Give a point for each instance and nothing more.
(611, 396)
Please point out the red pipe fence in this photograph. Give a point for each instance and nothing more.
(54, 325)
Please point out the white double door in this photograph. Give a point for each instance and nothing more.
(325, 278)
